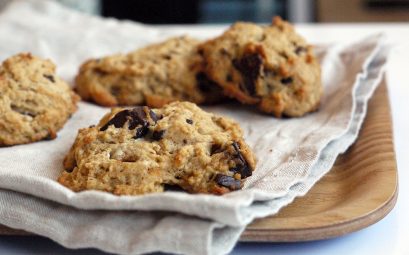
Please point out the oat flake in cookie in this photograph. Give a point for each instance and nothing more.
(268, 66)
(154, 75)
(34, 102)
(142, 150)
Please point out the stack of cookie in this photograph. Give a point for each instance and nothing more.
(163, 142)
(271, 67)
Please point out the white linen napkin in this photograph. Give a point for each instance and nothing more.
(292, 154)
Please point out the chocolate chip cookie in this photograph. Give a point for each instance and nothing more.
(143, 150)
(269, 66)
(34, 102)
(153, 76)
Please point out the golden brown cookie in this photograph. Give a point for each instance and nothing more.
(268, 66)
(142, 150)
(153, 76)
(34, 102)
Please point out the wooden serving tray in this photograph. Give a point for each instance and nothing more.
(359, 191)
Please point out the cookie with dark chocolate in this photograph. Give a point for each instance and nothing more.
(154, 75)
(142, 150)
(34, 102)
(269, 66)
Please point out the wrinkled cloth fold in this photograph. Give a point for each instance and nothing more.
(293, 154)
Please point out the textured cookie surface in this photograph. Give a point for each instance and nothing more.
(153, 76)
(34, 102)
(143, 150)
(268, 66)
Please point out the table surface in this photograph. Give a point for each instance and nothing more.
(388, 236)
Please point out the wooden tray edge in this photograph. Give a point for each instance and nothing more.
(321, 233)
(260, 234)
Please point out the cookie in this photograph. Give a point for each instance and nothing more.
(153, 76)
(271, 67)
(35, 103)
(143, 150)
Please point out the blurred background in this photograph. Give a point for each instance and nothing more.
(228, 11)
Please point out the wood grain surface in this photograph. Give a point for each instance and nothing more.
(359, 191)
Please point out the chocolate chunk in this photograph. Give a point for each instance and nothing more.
(169, 187)
(153, 115)
(141, 132)
(138, 117)
(229, 78)
(157, 135)
(205, 84)
(189, 121)
(100, 72)
(69, 170)
(236, 147)
(250, 67)
(300, 49)
(216, 148)
(228, 182)
(118, 120)
(135, 117)
(286, 80)
(49, 77)
(242, 167)
(243, 170)
(22, 111)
